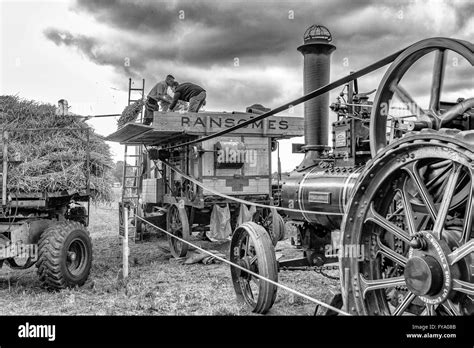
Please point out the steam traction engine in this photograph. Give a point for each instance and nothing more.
(395, 192)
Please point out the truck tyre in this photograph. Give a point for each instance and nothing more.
(65, 255)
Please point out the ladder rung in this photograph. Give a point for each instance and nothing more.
(136, 89)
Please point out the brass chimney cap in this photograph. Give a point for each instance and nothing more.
(317, 33)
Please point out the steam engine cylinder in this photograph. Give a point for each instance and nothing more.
(322, 191)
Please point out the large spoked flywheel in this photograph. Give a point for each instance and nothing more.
(408, 240)
(401, 105)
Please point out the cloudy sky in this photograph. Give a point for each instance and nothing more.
(85, 51)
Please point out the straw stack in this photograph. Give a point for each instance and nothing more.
(43, 160)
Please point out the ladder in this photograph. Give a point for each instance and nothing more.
(4, 168)
(140, 90)
(132, 167)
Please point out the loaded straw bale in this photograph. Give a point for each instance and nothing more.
(131, 112)
(54, 160)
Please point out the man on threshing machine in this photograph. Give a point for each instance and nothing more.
(158, 98)
(188, 92)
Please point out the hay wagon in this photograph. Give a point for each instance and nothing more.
(237, 166)
(45, 228)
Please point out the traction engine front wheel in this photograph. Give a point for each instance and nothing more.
(252, 248)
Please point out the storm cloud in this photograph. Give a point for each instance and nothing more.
(244, 52)
(91, 48)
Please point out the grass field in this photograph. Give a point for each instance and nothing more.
(157, 284)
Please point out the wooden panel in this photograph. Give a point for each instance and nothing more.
(207, 163)
(204, 123)
(151, 192)
(208, 157)
(228, 171)
(258, 156)
(256, 160)
(255, 186)
(252, 141)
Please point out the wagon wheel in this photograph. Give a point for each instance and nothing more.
(416, 117)
(411, 221)
(272, 222)
(252, 249)
(178, 225)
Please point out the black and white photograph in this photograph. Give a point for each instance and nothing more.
(269, 170)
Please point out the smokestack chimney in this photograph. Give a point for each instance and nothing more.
(316, 51)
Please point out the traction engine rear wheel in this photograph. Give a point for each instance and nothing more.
(411, 222)
(252, 248)
(65, 255)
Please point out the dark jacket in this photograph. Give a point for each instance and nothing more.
(185, 91)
